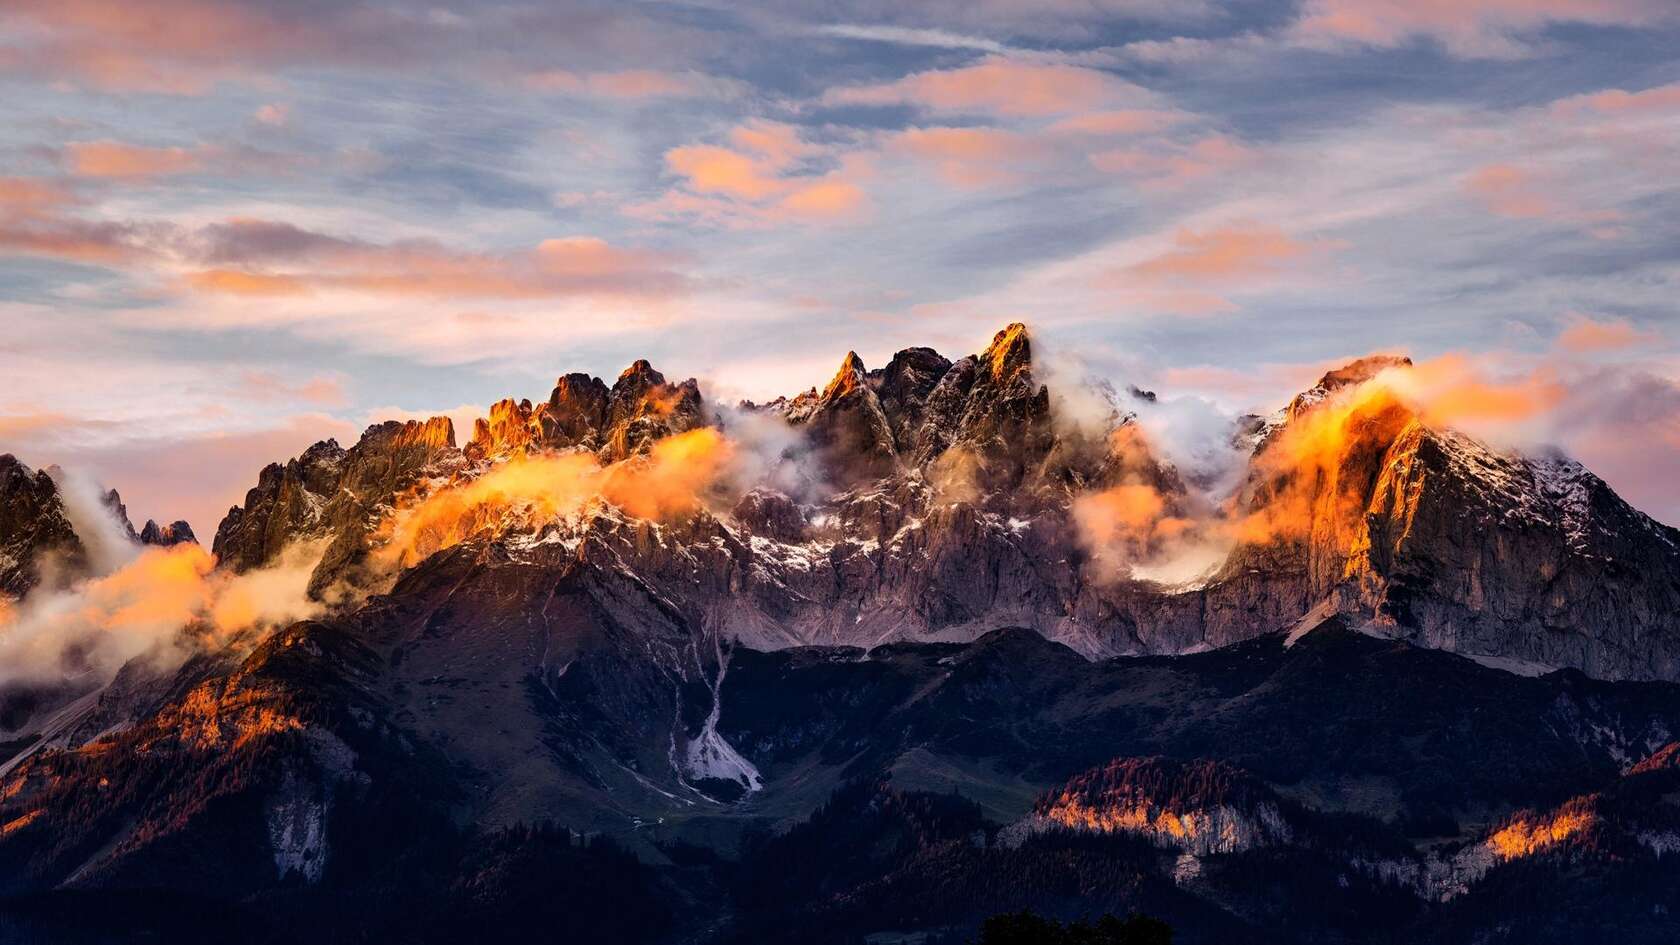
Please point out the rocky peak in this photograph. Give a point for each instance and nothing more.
(574, 414)
(642, 407)
(112, 500)
(175, 533)
(33, 523)
(848, 380)
(1004, 421)
(848, 427)
(903, 387)
(507, 429)
(1351, 374)
(1009, 356)
(328, 490)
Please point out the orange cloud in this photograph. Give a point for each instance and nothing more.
(532, 490)
(761, 179)
(30, 194)
(1133, 529)
(998, 85)
(236, 282)
(1586, 335)
(1187, 279)
(117, 160)
(1226, 253)
(162, 603)
(714, 170)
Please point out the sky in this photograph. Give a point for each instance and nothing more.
(229, 228)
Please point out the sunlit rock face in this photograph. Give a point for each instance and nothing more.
(584, 414)
(1200, 808)
(939, 499)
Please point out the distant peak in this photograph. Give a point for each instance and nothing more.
(175, 533)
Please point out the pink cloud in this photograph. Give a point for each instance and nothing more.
(555, 267)
(274, 114)
(970, 157)
(1476, 28)
(1190, 277)
(1132, 121)
(1663, 98)
(269, 386)
(627, 84)
(1509, 191)
(1166, 165)
(997, 85)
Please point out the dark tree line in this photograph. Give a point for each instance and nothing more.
(1028, 928)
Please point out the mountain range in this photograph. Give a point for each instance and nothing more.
(932, 641)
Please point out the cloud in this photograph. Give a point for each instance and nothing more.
(555, 267)
(1660, 99)
(1190, 275)
(999, 85)
(1473, 28)
(670, 480)
(1165, 164)
(189, 47)
(1587, 335)
(1509, 191)
(909, 36)
(768, 174)
(1225, 254)
(971, 157)
(631, 84)
(164, 605)
(321, 391)
(114, 159)
(274, 114)
(261, 258)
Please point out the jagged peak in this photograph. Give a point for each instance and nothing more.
(1010, 353)
(1360, 370)
(849, 378)
(175, 533)
(1351, 374)
(576, 385)
(641, 373)
(433, 432)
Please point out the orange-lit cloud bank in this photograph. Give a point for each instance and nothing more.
(166, 602)
(1313, 478)
(672, 478)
